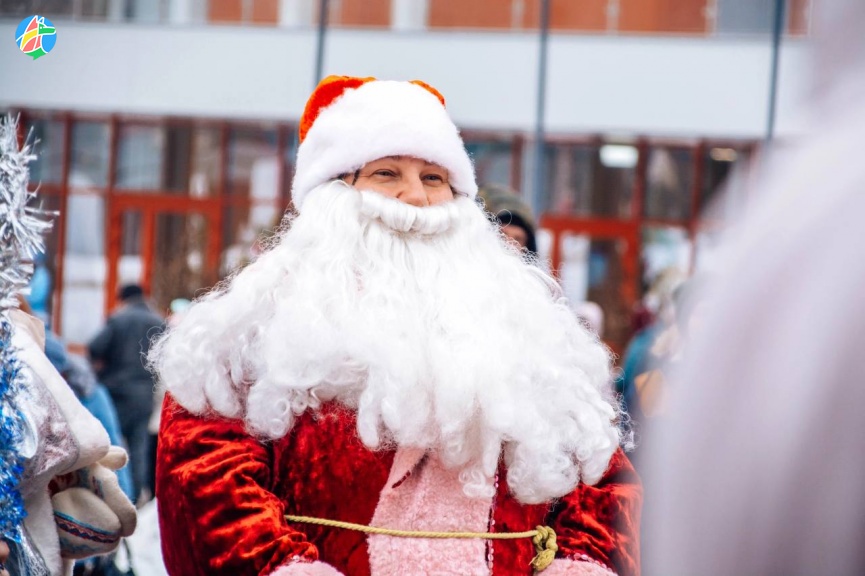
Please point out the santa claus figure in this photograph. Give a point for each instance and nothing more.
(391, 362)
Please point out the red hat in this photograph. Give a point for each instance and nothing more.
(349, 122)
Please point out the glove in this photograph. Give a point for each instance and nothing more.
(91, 512)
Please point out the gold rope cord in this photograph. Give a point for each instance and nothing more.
(543, 537)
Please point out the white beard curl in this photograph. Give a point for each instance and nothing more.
(422, 319)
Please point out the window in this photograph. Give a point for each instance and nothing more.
(244, 226)
(590, 180)
(178, 158)
(130, 266)
(95, 9)
(48, 137)
(84, 267)
(140, 155)
(758, 16)
(22, 8)
(669, 183)
(252, 163)
(665, 247)
(255, 203)
(44, 280)
(288, 162)
(748, 16)
(493, 161)
(592, 269)
(89, 164)
(205, 176)
(719, 163)
(145, 11)
(179, 254)
(409, 14)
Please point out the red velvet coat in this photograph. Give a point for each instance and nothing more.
(222, 496)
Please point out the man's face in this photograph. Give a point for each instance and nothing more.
(410, 180)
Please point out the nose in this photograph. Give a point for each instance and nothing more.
(413, 192)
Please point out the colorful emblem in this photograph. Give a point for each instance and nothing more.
(36, 36)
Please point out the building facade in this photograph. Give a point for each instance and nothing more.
(167, 129)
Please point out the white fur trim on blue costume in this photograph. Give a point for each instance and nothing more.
(376, 120)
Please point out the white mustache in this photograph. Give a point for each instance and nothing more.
(405, 218)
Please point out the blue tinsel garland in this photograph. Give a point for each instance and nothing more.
(11, 504)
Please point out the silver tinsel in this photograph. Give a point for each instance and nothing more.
(21, 230)
(21, 226)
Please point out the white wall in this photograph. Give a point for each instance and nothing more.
(659, 86)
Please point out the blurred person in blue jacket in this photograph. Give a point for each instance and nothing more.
(41, 287)
(638, 358)
(78, 374)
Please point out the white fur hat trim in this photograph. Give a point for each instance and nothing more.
(379, 119)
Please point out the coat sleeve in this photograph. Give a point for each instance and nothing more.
(601, 523)
(217, 515)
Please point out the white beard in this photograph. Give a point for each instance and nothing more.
(422, 319)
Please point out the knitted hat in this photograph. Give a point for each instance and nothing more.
(507, 207)
(349, 122)
(130, 291)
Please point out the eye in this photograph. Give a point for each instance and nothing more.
(384, 172)
(437, 178)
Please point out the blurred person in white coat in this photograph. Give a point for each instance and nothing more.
(760, 469)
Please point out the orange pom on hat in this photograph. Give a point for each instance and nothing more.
(430, 89)
(323, 96)
(349, 122)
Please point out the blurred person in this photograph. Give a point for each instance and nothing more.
(78, 374)
(41, 285)
(98, 402)
(648, 399)
(654, 315)
(662, 289)
(514, 217)
(118, 353)
(390, 361)
(512, 214)
(517, 224)
(758, 468)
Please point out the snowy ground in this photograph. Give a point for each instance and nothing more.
(144, 545)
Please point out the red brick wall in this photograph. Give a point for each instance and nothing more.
(363, 13)
(569, 15)
(682, 16)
